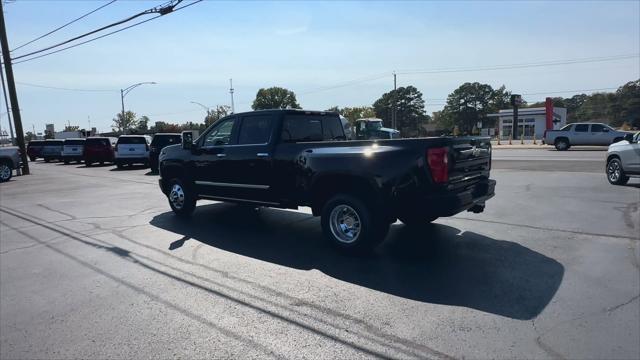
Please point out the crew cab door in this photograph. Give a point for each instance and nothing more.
(580, 135)
(250, 159)
(210, 169)
(600, 135)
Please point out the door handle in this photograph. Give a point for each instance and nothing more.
(221, 155)
(262, 155)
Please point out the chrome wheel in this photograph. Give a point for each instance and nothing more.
(5, 172)
(345, 224)
(614, 171)
(176, 196)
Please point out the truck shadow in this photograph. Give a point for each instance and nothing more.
(438, 264)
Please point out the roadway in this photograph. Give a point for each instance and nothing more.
(94, 265)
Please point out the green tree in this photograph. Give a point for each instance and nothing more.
(354, 113)
(627, 106)
(275, 98)
(143, 123)
(216, 114)
(410, 114)
(472, 102)
(123, 124)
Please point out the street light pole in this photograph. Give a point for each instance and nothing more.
(125, 91)
(202, 106)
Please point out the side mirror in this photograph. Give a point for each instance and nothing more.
(605, 130)
(187, 140)
(629, 137)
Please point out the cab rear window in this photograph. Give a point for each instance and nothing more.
(74, 142)
(100, 142)
(54, 143)
(166, 140)
(132, 140)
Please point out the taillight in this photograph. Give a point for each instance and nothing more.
(438, 160)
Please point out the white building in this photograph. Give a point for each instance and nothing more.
(531, 121)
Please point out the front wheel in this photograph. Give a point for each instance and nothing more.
(32, 158)
(182, 198)
(350, 225)
(5, 171)
(615, 172)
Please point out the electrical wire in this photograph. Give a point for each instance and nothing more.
(104, 35)
(63, 26)
(142, 13)
(62, 88)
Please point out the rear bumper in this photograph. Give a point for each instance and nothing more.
(72, 157)
(132, 160)
(451, 203)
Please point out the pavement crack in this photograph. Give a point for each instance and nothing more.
(616, 307)
(543, 345)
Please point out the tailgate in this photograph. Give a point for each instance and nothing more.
(471, 161)
(72, 150)
(137, 150)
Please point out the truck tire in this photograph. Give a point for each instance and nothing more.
(32, 158)
(562, 144)
(416, 221)
(182, 198)
(351, 226)
(615, 172)
(5, 171)
(119, 165)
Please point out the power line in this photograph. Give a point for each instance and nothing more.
(523, 65)
(67, 89)
(482, 68)
(102, 36)
(63, 26)
(159, 9)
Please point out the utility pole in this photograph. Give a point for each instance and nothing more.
(393, 113)
(6, 57)
(6, 102)
(233, 110)
(516, 100)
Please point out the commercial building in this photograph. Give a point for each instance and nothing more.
(531, 121)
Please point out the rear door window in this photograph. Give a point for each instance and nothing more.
(255, 129)
(74, 142)
(597, 128)
(301, 128)
(97, 142)
(582, 128)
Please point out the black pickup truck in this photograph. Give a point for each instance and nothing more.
(291, 158)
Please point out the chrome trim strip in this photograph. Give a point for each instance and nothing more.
(246, 186)
(221, 198)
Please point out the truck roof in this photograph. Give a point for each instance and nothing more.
(288, 111)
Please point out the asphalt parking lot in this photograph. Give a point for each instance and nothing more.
(94, 265)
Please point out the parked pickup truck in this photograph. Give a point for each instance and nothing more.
(582, 134)
(291, 158)
(9, 160)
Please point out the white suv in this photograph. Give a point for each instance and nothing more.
(623, 159)
(132, 149)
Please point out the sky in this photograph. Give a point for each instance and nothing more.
(328, 52)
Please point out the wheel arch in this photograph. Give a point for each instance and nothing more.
(326, 186)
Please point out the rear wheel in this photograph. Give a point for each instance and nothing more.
(119, 165)
(352, 226)
(182, 198)
(88, 163)
(5, 171)
(66, 162)
(47, 160)
(32, 158)
(615, 172)
(562, 144)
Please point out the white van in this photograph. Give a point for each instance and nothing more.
(132, 149)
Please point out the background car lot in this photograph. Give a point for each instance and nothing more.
(549, 270)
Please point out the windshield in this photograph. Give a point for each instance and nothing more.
(374, 125)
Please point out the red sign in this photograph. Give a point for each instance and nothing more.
(548, 107)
